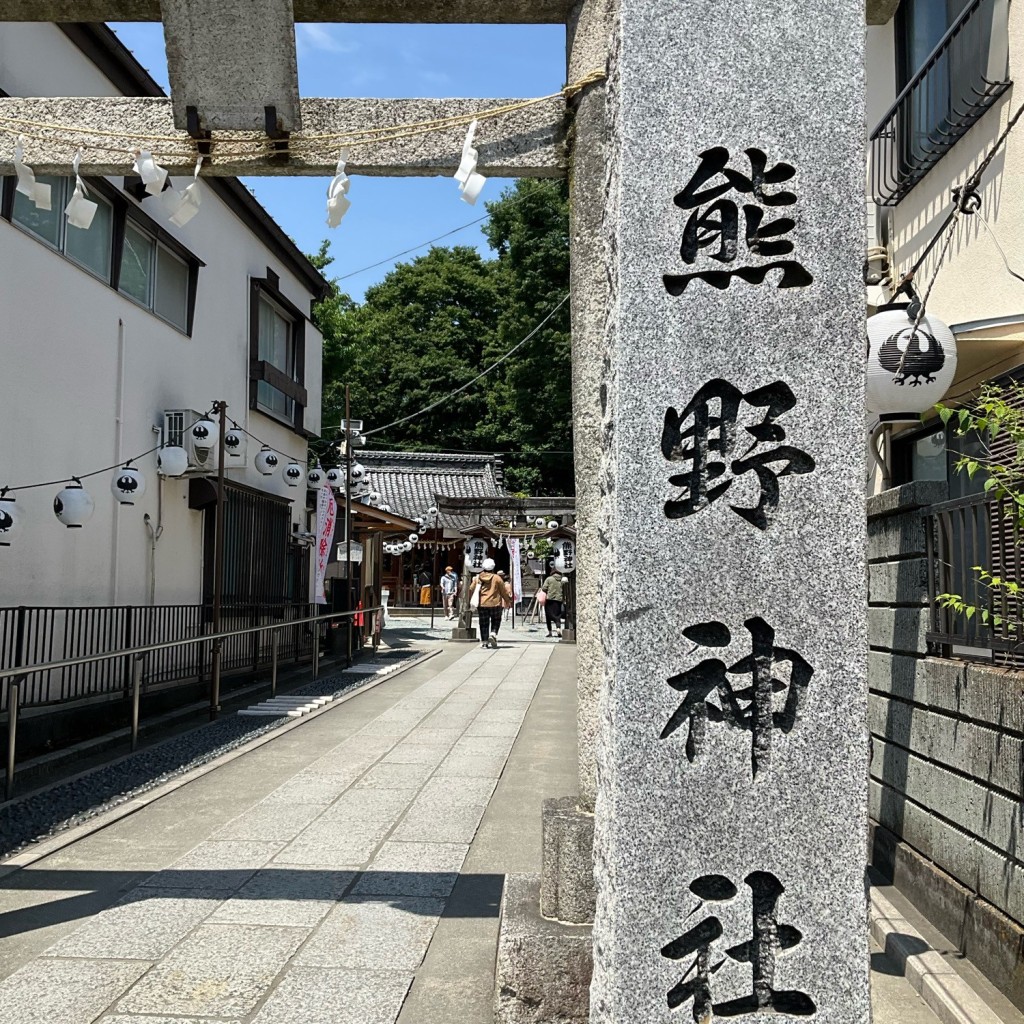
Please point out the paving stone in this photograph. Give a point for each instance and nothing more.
(428, 823)
(132, 1018)
(510, 729)
(434, 737)
(272, 821)
(338, 847)
(457, 790)
(369, 806)
(487, 746)
(144, 925)
(473, 765)
(220, 970)
(365, 932)
(391, 775)
(65, 991)
(306, 789)
(413, 869)
(215, 865)
(284, 896)
(315, 996)
(416, 753)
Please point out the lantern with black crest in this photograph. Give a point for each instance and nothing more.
(204, 435)
(127, 484)
(234, 441)
(293, 474)
(73, 506)
(266, 461)
(10, 522)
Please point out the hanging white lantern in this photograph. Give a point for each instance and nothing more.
(406, 546)
(127, 484)
(531, 553)
(539, 522)
(357, 472)
(414, 538)
(336, 478)
(552, 524)
(385, 508)
(266, 461)
(10, 521)
(432, 511)
(171, 461)
(907, 372)
(565, 555)
(314, 479)
(204, 435)
(373, 498)
(293, 474)
(73, 505)
(475, 552)
(233, 441)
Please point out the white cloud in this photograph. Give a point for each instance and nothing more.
(322, 37)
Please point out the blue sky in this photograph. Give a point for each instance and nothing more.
(391, 214)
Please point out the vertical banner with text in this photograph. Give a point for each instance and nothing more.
(517, 569)
(326, 516)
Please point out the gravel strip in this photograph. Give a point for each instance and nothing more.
(42, 815)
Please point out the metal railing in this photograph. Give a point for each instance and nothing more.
(964, 75)
(13, 680)
(959, 537)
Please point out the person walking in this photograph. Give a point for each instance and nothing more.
(494, 593)
(554, 588)
(449, 585)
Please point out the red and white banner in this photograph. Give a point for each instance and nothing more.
(326, 516)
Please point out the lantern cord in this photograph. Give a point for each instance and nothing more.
(96, 472)
(458, 391)
(995, 239)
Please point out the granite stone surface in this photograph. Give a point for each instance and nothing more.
(732, 760)
(311, 995)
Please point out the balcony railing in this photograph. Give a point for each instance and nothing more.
(965, 74)
(960, 535)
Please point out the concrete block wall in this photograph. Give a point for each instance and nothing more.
(947, 766)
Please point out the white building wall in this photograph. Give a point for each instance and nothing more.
(61, 332)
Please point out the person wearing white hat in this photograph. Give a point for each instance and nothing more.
(494, 592)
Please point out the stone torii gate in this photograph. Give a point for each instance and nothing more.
(724, 797)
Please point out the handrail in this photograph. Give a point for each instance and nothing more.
(127, 652)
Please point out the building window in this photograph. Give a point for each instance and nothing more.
(276, 353)
(952, 64)
(123, 246)
(277, 347)
(89, 247)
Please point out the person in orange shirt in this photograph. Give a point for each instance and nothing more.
(494, 594)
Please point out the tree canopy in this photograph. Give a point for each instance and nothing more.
(436, 322)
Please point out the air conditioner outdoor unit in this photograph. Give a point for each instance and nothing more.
(177, 433)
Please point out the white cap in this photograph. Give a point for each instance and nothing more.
(488, 565)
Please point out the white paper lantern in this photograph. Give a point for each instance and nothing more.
(373, 497)
(293, 474)
(336, 478)
(266, 461)
(539, 522)
(907, 374)
(432, 511)
(565, 555)
(414, 538)
(475, 552)
(127, 484)
(73, 506)
(233, 441)
(357, 472)
(406, 546)
(10, 521)
(385, 508)
(552, 524)
(171, 461)
(204, 435)
(314, 479)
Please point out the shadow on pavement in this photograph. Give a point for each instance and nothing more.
(469, 896)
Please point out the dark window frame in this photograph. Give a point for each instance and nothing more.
(123, 211)
(261, 370)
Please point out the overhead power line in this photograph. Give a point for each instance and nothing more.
(480, 376)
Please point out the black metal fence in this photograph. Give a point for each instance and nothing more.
(965, 74)
(34, 635)
(965, 538)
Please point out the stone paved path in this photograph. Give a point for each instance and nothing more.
(315, 905)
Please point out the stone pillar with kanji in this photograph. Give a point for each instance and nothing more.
(731, 810)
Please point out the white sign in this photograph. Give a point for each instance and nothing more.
(517, 569)
(326, 515)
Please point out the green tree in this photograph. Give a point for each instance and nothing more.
(530, 402)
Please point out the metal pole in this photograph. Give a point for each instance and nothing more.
(136, 691)
(13, 701)
(273, 663)
(433, 582)
(218, 562)
(316, 649)
(349, 603)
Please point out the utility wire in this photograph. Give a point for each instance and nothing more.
(458, 391)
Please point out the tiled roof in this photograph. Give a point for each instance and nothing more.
(408, 481)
